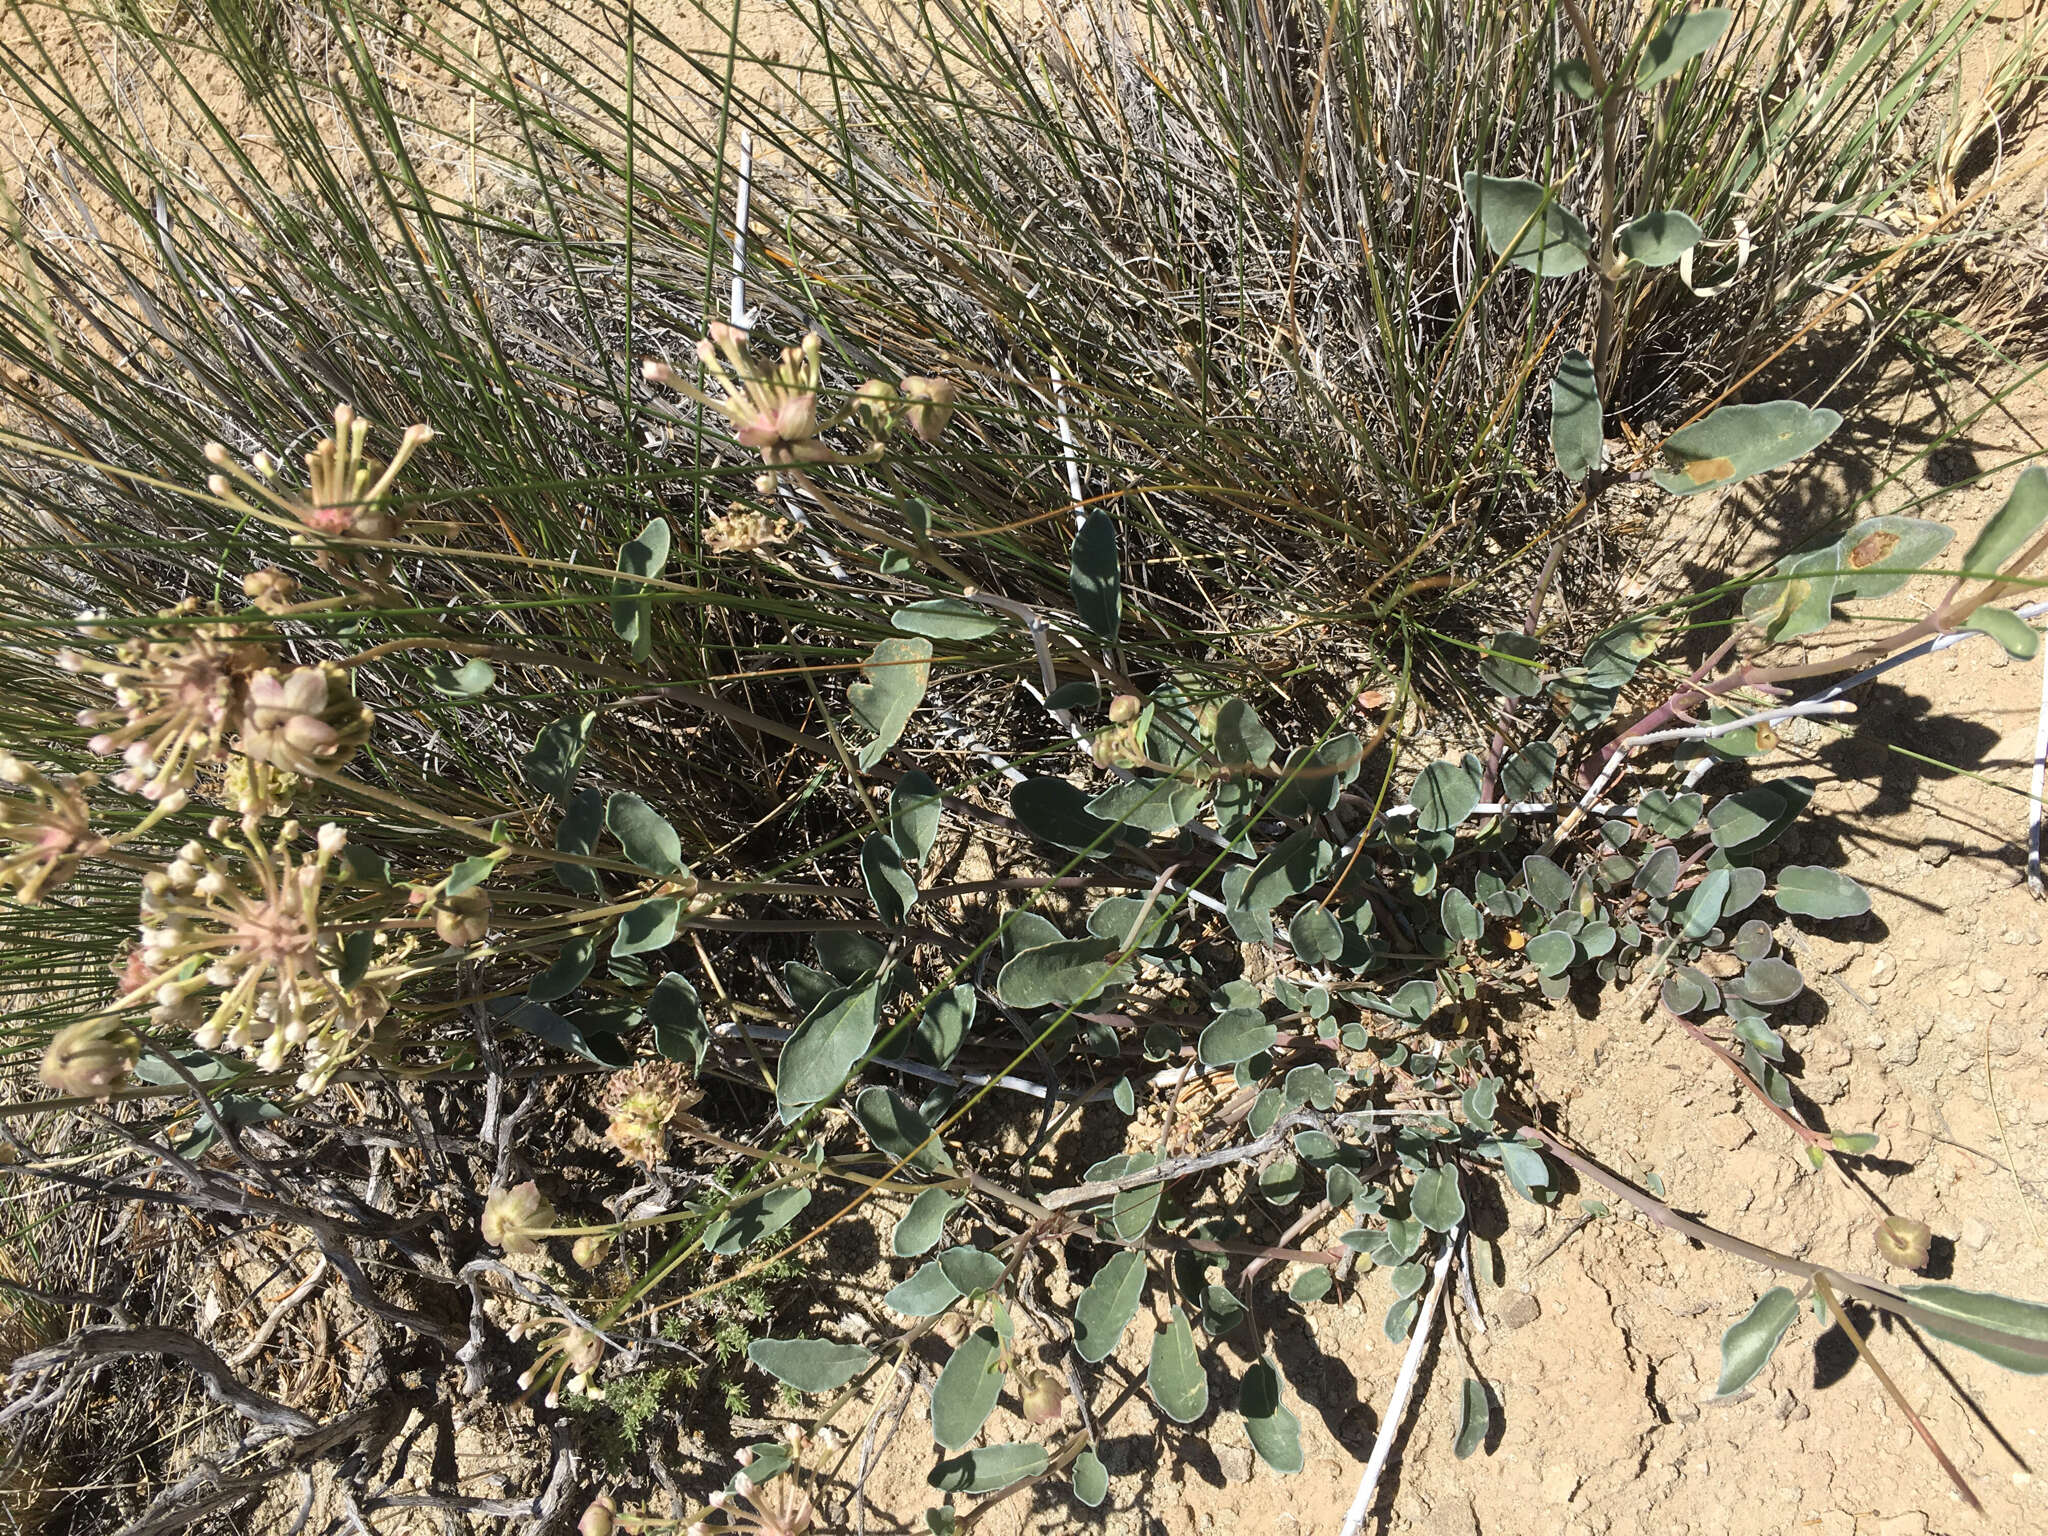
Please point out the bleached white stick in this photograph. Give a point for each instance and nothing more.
(1404, 1385)
(2040, 773)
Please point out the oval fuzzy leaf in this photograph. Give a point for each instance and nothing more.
(1747, 1347)
(2020, 639)
(899, 1130)
(1444, 795)
(1108, 1304)
(967, 1389)
(896, 674)
(1315, 936)
(1575, 420)
(1054, 811)
(1738, 441)
(1529, 774)
(1753, 819)
(1436, 1201)
(989, 1468)
(1704, 909)
(1179, 1384)
(944, 618)
(1241, 738)
(648, 839)
(1061, 975)
(650, 925)
(971, 1270)
(924, 1223)
(2025, 510)
(570, 969)
(1769, 982)
(550, 766)
(1880, 554)
(1475, 1418)
(915, 807)
(751, 1220)
(1524, 223)
(809, 1365)
(1290, 867)
(1509, 664)
(1150, 804)
(632, 603)
(1238, 1034)
(1092, 574)
(1668, 815)
(1275, 1431)
(1811, 890)
(1460, 919)
(1681, 40)
(1551, 953)
(925, 1293)
(1658, 239)
(942, 1028)
(464, 682)
(889, 885)
(822, 1053)
(1091, 1479)
(2024, 1323)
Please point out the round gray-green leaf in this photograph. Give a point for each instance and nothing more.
(1528, 226)
(1668, 815)
(1054, 811)
(926, 1293)
(809, 1365)
(989, 1468)
(2020, 639)
(1551, 953)
(1747, 1347)
(751, 1220)
(1311, 1285)
(649, 841)
(1179, 1384)
(1108, 1304)
(967, 1389)
(1812, 890)
(1091, 1479)
(1509, 664)
(2010, 526)
(465, 681)
(822, 1053)
(1444, 795)
(895, 1126)
(1435, 1200)
(1575, 429)
(1275, 1431)
(923, 1224)
(889, 884)
(1770, 981)
(1060, 975)
(1529, 773)
(2023, 1323)
(1681, 40)
(971, 1270)
(1280, 1182)
(650, 925)
(1658, 239)
(1237, 1035)
(1316, 938)
(894, 678)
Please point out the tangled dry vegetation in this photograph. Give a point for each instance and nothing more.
(842, 742)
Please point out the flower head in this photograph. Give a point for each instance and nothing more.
(1904, 1242)
(745, 533)
(50, 828)
(241, 952)
(514, 1217)
(302, 719)
(181, 690)
(463, 919)
(782, 1506)
(773, 410)
(347, 493)
(642, 1101)
(931, 408)
(87, 1060)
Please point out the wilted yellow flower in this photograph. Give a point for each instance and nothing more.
(88, 1060)
(514, 1217)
